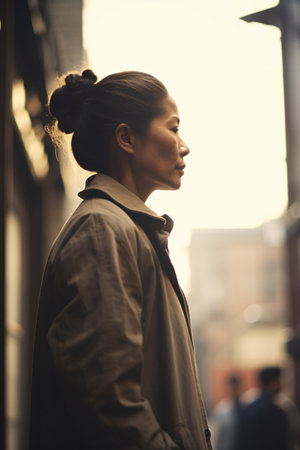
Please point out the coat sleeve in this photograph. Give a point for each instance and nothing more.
(96, 338)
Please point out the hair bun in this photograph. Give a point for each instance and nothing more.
(59, 107)
(89, 75)
(66, 102)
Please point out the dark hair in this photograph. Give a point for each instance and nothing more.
(92, 111)
(269, 374)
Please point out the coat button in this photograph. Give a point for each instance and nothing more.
(207, 434)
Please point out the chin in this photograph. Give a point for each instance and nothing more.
(171, 187)
(176, 185)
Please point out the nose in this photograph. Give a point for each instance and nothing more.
(183, 149)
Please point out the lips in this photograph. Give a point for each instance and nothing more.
(180, 170)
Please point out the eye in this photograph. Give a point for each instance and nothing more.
(175, 129)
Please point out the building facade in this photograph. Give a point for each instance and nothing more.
(36, 46)
(238, 302)
(286, 16)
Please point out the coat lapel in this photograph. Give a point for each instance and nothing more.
(167, 266)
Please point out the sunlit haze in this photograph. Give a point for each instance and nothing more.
(226, 77)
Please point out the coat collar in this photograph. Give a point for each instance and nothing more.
(119, 194)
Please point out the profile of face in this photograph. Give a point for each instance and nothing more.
(158, 156)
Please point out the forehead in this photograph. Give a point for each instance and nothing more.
(169, 107)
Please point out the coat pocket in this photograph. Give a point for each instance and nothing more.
(183, 437)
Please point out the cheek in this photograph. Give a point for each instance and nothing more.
(168, 150)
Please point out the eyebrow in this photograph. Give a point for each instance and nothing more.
(176, 118)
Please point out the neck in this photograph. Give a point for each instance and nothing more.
(126, 178)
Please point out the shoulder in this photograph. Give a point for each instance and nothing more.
(96, 220)
(106, 212)
(100, 214)
(263, 407)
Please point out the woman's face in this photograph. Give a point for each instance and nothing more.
(157, 161)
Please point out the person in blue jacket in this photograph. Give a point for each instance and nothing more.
(264, 424)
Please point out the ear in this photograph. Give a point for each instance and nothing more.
(125, 137)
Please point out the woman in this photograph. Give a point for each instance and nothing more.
(114, 362)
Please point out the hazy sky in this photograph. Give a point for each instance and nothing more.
(226, 77)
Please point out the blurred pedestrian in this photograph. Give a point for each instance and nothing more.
(264, 424)
(114, 364)
(293, 418)
(227, 416)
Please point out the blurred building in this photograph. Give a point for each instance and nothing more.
(238, 303)
(39, 39)
(286, 16)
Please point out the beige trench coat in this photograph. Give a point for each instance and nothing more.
(114, 361)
